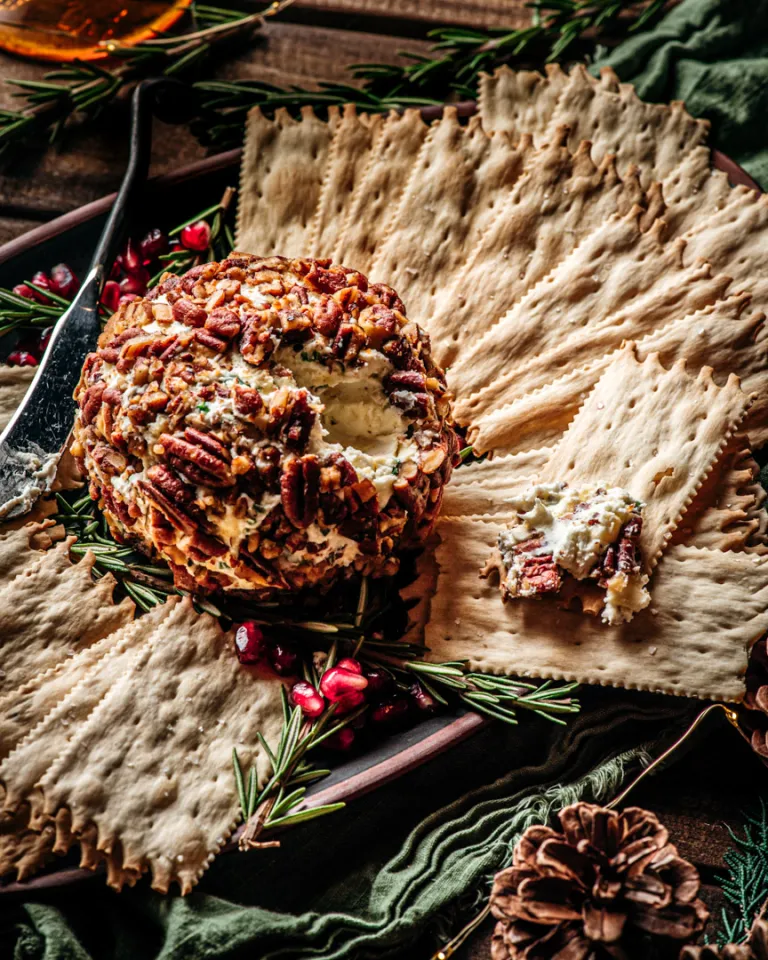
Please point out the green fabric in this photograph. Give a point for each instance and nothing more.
(713, 55)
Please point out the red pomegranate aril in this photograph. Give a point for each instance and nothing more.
(349, 702)
(338, 682)
(424, 702)
(347, 663)
(45, 339)
(22, 358)
(42, 280)
(130, 259)
(63, 281)
(380, 682)
(24, 290)
(390, 712)
(304, 695)
(196, 236)
(249, 642)
(110, 295)
(154, 243)
(284, 659)
(341, 740)
(135, 282)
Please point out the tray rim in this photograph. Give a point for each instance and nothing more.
(400, 763)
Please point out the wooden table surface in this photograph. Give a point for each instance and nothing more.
(313, 41)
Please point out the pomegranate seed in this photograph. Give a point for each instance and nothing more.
(23, 290)
(423, 701)
(110, 295)
(304, 695)
(117, 271)
(175, 247)
(22, 358)
(347, 663)
(284, 659)
(154, 243)
(130, 258)
(341, 740)
(249, 642)
(63, 281)
(45, 339)
(349, 702)
(196, 236)
(338, 682)
(41, 279)
(389, 713)
(135, 282)
(380, 682)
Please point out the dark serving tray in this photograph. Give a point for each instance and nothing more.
(178, 195)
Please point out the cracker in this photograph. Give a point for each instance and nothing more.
(348, 155)
(23, 851)
(694, 191)
(726, 336)
(20, 546)
(52, 609)
(152, 767)
(718, 517)
(708, 607)
(43, 712)
(417, 595)
(483, 488)
(656, 137)
(559, 200)
(14, 383)
(458, 179)
(375, 199)
(280, 180)
(620, 283)
(520, 101)
(653, 432)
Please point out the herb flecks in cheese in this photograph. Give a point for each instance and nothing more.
(588, 532)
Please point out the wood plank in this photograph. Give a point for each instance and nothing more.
(471, 13)
(88, 163)
(11, 227)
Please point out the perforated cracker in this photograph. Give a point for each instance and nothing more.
(694, 191)
(152, 767)
(351, 148)
(653, 432)
(376, 197)
(52, 609)
(20, 546)
(280, 180)
(458, 178)
(520, 101)
(726, 335)
(558, 201)
(708, 607)
(483, 489)
(14, 383)
(619, 283)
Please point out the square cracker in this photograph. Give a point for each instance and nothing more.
(708, 608)
(348, 155)
(152, 767)
(620, 283)
(653, 432)
(559, 200)
(520, 101)
(483, 489)
(280, 179)
(375, 199)
(726, 335)
(50, 611)
(458, 178)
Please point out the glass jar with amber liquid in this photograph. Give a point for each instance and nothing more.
(77, 29)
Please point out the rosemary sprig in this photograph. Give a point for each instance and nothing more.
(279, 802)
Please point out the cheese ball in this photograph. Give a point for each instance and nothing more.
(265, 426)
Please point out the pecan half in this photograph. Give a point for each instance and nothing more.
(202, 458)
(110, 460)
(189, 313)
(327, 316)
(348, 342)
(223, 323)
(295, 326)
(248, 401)
(291, 418)
(256, 343)
(90, 402)
(300, 490)
(209, 339)
(171, 497)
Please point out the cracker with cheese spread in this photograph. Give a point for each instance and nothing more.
(280, 180)
(708, 607)
(152, 766)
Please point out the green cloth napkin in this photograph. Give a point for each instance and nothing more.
(712, 54)
(376, 879)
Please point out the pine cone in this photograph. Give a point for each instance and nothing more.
(593, 889)
(755, 948)
(754, 711)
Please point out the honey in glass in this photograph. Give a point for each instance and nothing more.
(73, 29)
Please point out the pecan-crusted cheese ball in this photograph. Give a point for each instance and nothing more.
(265, 425)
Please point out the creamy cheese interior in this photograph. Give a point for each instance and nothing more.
(573, 526)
